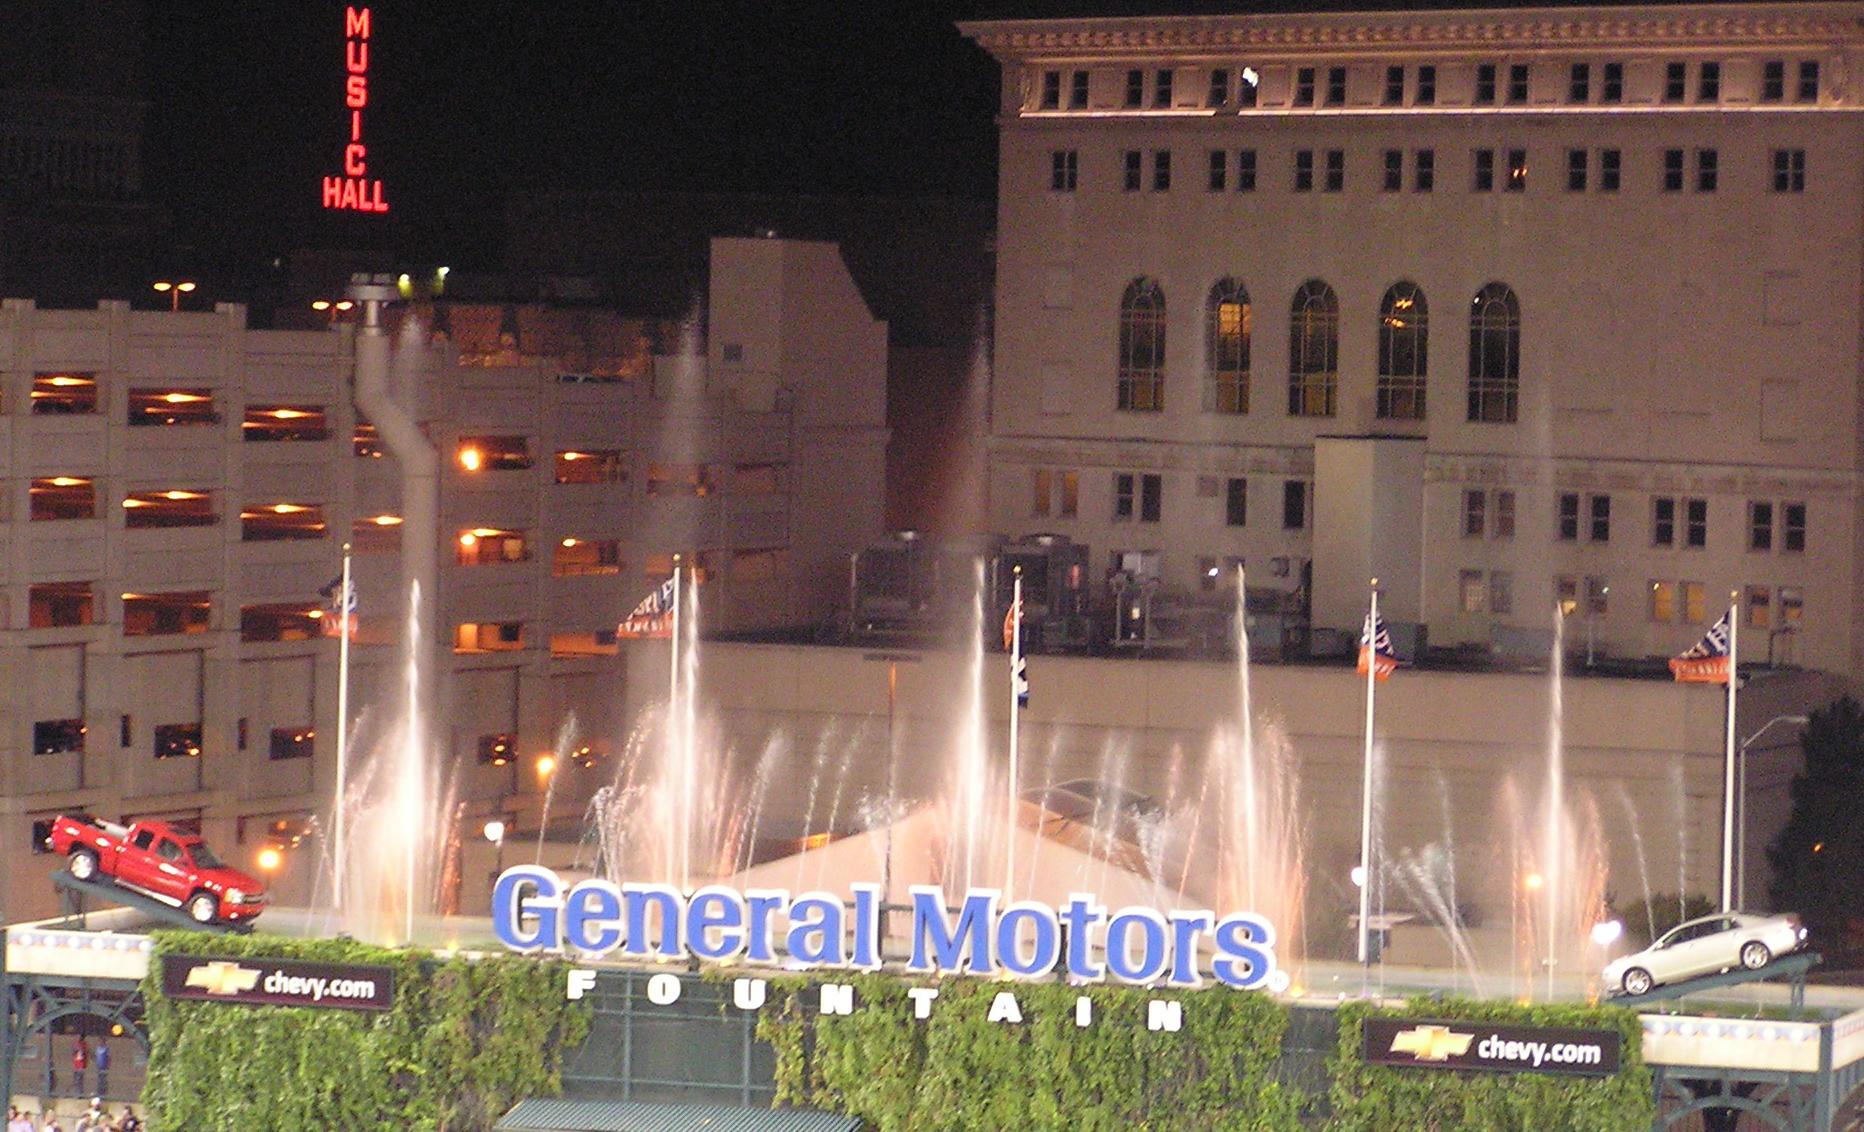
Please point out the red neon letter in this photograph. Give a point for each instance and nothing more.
(333, 193)
(356, 54)
(357, 92)
(353, 155)
(355, 125)
(356, 24)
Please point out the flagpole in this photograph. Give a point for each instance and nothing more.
(1016, 659)
(344, 604)
(1728, 758)
(675, 741)
(1370, 651)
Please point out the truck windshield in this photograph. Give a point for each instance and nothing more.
(204, 857)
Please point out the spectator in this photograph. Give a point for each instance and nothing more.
(129, 1122)
(51, 1123)
(80, 1060)
(102, 1058)
(17, 1121)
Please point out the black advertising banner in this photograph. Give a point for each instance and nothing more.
(278, 982)
(1416, 1043)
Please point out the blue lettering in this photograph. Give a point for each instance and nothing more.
(948, 943)
(1185, 928)
(526, 891)
(715, 908)
(1045, 938)
(815, 930)
(764, 904)
(1245, 955)
(1079, 914)
(593, 905)
(640, 899)
(1153, 956)
(866, 926)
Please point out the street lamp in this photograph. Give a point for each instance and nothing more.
(495, 833)
(1741, 803)
(174, 290)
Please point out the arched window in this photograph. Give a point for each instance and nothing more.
(1227, 329)
(1495, 355)
(1142, 347)
(1313, 351)
(1404, 352)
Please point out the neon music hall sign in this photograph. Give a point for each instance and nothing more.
(534, 910)
(353, 190)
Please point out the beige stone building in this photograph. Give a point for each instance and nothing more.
(1510, 309)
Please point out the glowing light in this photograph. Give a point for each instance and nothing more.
(177, 496)
(320, 305)
(314, 614)
(288, 508)
(1359, 876)
(387, 520)
(269, 859)
(495, 831)
(68, 481)
(546, 765)
(135, 503)
(1607, 932)
(569, 542)
(184, 398)
(468, 539)
(487, 532)
(1533, 882)
(471, 459)
(290, 414)
(62, 380)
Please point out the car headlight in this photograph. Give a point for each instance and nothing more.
(235, 896)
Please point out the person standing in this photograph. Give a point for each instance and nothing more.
(101, 1056)
(80, 1061)
(17, 1121)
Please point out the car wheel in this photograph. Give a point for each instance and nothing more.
(1637, 981)
(83, 864)
(202, 908)
(1755, 955)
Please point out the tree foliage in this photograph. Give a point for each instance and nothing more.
(1818, 859)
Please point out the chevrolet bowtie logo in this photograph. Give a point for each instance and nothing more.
(220, 977)
(1431, 1043)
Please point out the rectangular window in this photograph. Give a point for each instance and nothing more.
(1304, 171)
(1707, 170)
(1124, 486)
(581, 557)
(365, 443)
(61, 394)
(1304, 86)
(1294, 505)
(680, 479)
(493, 453)
(1394, 86)
(488, 636)
(161, 407)
(1598, 596)
(1517, 170)
(1485, 84)
(1501, 591)
(59, 605)
(1773, 81)
(1662, 601)
(1809, 80)
(1245, 170)
(1663, 521)
(1600, 527)
(1793, 527)
(285, 621)
(1504, 516)
(177, 740)
(1247, 86)
(63, 497)
(1568, 517)
(1760, 607)
(1161, 89)
(57, 736)
(160, 615)
(292, 743)
(1517, 83)
(1135, 89)
(1579, 83)
(1709, 83)
(1485, 171)
(1236, 502)
(1612, 85)
(490, 546)
(1695, 523)
(1789, 170)
(1219, 87)
(1041, 490)
(1077, 91)
(279, 522)
(1566, 593)
(590, 465)
(1575, 170)
(1611, 164)
(1051, 90)
(1675, 81)
(1792, 607)
(1064, 170)
(1472, 591)
(1135, 170)
(1693, 602)
(1475, 513)
(174, 508)
(1336, 170)
(1151, 497)
(497, 749)
(1161, 170)
(376, 534)
(1760, 526)
(1069, 503)
(1336, 86)
(1672, 170)
(284, 422)
(1427, 85)
(1394, 170)
(1424, 170)
(1219, 170)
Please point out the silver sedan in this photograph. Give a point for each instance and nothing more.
(1705, 946)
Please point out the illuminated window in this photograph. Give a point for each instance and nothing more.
(497, 749)
(1495, 355)
(285, 422)
(576, 557)
(599, 643)
(377, 534)
(59, 605)
(174, 508)
(58, 394)
(276, 522)
(1760, 607)
(292, 743)
(158, 615)
(679, 479)
(152, 407)
(489, 546)
(489, 636)
(1566, 594)
(365, 442)
(1693, 602)
(1662, 601)
(494, 453)
(601, 465)
(1792, 606)
(58, 736)
(178, 741)
(758, 564)
(260, 624)
(63, 497)
(1313, 351)
(1227, 331)
(1404, 348)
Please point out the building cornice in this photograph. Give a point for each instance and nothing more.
(1746, 26)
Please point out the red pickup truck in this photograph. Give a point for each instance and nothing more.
(159, 861)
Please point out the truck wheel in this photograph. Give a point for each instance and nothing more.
(202, 907)
(83, 864)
